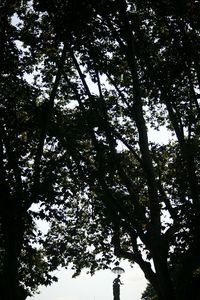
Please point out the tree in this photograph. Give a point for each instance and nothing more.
(38, 178)
(84, 157)
(149, 193)
(149, 293)
(25, 110)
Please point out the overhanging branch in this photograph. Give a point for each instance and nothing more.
(43, 131)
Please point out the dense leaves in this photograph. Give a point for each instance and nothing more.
(149, 293)
(84, 89)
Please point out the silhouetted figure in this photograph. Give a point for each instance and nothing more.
(116, 288)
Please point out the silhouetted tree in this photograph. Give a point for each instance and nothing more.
(82, 85)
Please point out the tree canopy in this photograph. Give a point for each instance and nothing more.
(83, 86)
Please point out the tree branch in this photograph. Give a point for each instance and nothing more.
(43, 131)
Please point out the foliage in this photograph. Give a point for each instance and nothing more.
(79, 100)
(149, 293)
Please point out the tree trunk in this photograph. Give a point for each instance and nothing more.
(13, 237)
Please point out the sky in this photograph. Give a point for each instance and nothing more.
(96, 287)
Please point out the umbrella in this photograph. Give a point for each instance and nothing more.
(118, 270)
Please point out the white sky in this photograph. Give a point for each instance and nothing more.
(96, 287)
